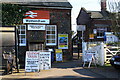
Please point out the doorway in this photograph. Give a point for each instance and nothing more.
(36, 46)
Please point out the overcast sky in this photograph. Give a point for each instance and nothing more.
(93, 5)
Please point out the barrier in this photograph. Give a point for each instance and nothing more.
(102, 52)
(99, 53)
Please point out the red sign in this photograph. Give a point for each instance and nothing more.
(37, 16)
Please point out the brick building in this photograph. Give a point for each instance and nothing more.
(97, 23)
(43, 33)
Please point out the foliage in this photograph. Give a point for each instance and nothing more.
(115, 16)
(12, 14)
(114, 44)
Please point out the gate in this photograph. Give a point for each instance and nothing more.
(111, 51)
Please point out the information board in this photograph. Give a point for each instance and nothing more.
(59, 55)
(88, 57)
(32, 61)
(45, 60)
(63, 41)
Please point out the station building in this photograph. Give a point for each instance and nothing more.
(47, 26)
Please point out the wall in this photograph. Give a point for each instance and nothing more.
(61, 18)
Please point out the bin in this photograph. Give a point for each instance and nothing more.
(52, 54)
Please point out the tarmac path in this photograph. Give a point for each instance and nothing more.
(72, 70)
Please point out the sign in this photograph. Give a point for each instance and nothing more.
(89, 56)
(32, 61)
(91, 36)
(63, 41)
(59, 55)
(37, 60)
(110, 37)
(45, 60)
(95, 31)
(81, 28)
(36, 27)
(37, 16)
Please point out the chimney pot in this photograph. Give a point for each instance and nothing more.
(103, 4)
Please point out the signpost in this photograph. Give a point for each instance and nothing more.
(80, 28)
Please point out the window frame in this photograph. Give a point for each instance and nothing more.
(51, 44)
(21, 34)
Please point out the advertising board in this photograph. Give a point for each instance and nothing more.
(59, 56)
(37, 60)
(32, 61)
(62, 41)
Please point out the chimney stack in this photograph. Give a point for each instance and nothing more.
(103, 4)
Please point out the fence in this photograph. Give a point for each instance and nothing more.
(102, 52)
(111, 51)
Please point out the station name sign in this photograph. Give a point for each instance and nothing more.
(36, 27)
(43, 21)
(37, 16)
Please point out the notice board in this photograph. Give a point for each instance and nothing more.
(32, 61)
(63, 41)
(37, 60)
(59, 56)
(45, 60)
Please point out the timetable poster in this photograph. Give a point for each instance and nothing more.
(45, 60)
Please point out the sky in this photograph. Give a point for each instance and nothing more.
(92, 5)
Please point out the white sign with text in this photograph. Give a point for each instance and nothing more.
(36, 27)
(45, 60)
(32, 61)
(37, 60)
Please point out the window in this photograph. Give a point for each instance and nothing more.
(101, 32)
(22, 35)
(51, 35)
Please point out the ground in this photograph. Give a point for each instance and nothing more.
(68, 70)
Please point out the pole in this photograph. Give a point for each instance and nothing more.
(16, 47)
(78, 41)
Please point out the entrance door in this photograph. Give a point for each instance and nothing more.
(36, 46)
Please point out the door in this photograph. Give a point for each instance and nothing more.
(36, 46)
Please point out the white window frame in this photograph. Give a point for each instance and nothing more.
(20, 34)
(51, 44)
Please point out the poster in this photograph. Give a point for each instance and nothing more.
(32, 61)
(59, 55)
(45, 60)
(62, 41)
(89, 55)
(91, 36)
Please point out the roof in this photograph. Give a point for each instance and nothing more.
(49, 4)
(99, 14)
(95, 14)
(42, 3)
(34, 1)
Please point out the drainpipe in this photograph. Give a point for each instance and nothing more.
(16, 47)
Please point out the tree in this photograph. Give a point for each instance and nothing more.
(12, 14)
(114, 8)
